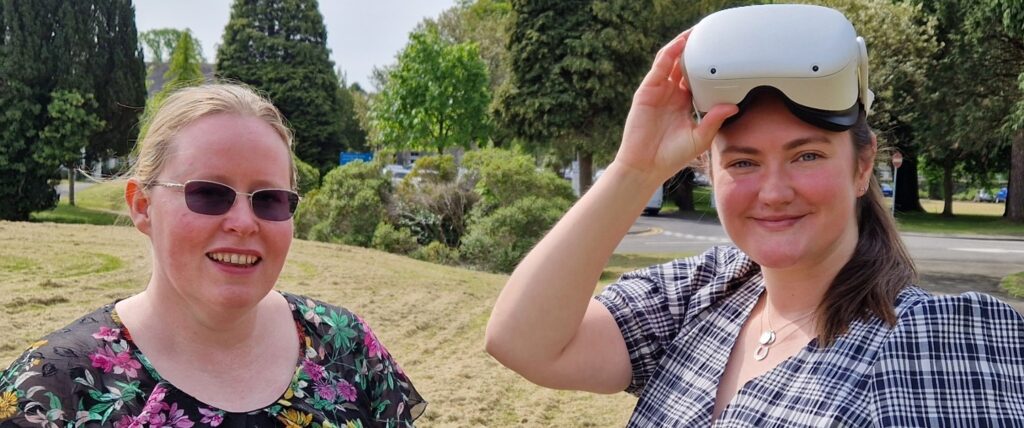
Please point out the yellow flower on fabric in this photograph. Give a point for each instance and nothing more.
(292, 418)
(8, 404)
(353, 424)
(38, 344)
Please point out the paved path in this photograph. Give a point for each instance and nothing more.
(946, 264)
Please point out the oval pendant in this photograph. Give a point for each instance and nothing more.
(761, 353)
(767, 337)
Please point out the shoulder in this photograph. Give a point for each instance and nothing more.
(73, 343)
(717, 263)
(328, 325)
(922, 314)
(959, 354)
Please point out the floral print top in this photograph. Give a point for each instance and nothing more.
(90, 373)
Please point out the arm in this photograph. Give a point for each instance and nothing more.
(545, 325)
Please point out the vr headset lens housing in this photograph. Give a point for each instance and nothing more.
(810, 54)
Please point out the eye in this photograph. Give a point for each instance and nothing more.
(741, 164)
(807, 157)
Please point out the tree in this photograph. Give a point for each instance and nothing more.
(280, 47)
(974, 86)
(71, 122)
(184, 70)
(575, 67)
(118, 79)
(435, 98)
(51, 67)
(161, 42)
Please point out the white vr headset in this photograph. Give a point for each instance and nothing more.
(810, 54)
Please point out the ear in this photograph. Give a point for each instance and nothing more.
(866, 166)
(138, 205)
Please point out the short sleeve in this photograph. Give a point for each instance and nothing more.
(650, 305)
(952, 361)
(395, 401)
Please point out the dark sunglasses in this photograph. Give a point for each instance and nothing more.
(212, 198)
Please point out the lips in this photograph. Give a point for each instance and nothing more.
(778, 222)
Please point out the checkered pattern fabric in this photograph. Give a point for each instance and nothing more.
(950, 361)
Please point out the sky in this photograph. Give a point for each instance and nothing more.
(361, 34)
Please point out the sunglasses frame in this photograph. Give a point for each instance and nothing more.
(182, 186)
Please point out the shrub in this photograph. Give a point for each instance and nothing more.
(347, 207)
(499, 240)
(308, 177)
(436, 252)
(433, 202)
(397, 241)
(503, 177)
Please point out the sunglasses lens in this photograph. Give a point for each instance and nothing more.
(274, 204)
(208, 198)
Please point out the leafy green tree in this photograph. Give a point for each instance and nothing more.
(973, 86)
(435, 98)
(575, 67)
(71, 122)
(280, 47)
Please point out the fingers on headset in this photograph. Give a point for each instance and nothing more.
(668, 57)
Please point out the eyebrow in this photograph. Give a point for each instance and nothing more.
(747, 150)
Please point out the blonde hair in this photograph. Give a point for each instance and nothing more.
(184, 106)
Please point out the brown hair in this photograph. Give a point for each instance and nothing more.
(184, 106)
(880, 266)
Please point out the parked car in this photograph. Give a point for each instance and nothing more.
(886, 190)
(396, 171)
(984, 196)
(653, 205)
(1001, 195)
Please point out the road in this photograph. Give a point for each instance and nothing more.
(945, 264)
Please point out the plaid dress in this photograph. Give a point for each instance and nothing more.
(950, 361)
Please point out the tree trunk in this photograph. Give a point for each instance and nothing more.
(72, 175)
(947, 187)
(1015, 187)
(906, 197)
(680, 189)
(586, 161)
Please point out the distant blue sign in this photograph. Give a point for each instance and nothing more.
(347, 157)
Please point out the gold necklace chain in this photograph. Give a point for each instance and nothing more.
(769, 337)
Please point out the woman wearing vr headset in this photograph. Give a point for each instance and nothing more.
(208, 342)
(812, 319)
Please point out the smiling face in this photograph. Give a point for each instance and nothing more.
(219, 262)
(786, 190)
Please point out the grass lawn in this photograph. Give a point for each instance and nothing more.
(1014, 284)
(430, 317)
(99, 204)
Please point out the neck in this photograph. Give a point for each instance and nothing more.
(185, 326)
(795, 290)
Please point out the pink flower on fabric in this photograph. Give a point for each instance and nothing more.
(105, 358)
(108, 334)
(177, 418)
(127, 421)
(315, 371)
(154, 404)
(373, 347)
(211, 417)
(325, 390)
(347, 391)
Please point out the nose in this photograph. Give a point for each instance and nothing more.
(240, 218)
(776, 188)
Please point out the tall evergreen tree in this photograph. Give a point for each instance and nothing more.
(575, 65)
(280, 47)
(119, 78)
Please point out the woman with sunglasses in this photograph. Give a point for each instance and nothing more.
(209, 342)
(812, 319)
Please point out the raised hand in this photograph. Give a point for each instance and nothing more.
(660, 135)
